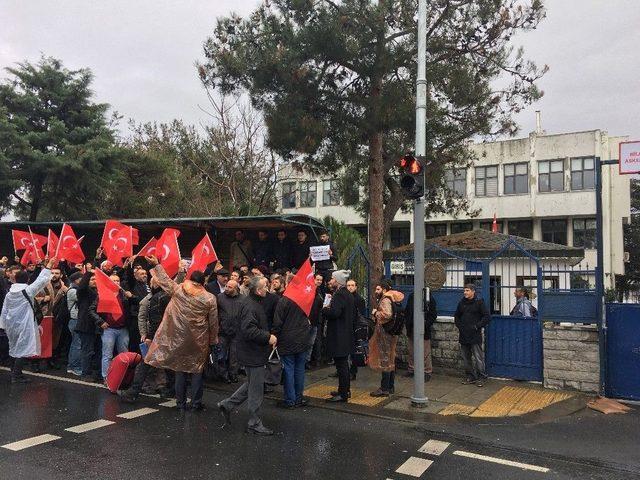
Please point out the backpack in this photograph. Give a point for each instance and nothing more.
(35, 306)
(61, 311)
(395, 326)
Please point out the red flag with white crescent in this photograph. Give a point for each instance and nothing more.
(69, 246)
(22, 240)
(302, 288)
(52, 243)
(119, 246)
(108, 301)
(202, 255)
(111, 228)
(494, 225)
(168, 251)
(149, 248)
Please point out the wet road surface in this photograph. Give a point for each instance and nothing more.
(54, 429)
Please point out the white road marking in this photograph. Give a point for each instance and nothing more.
(524, 466)
(86, 427)
(137, 413)
(414, 466)
(434, 447)
(169, 404)
(30, 442)
(62, 379)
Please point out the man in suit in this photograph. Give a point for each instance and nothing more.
(216, 286)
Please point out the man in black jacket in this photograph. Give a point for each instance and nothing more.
(254, 346)
(471, 316)
(281, 251)
(341, 316)
(263, 250)
(430, 316)
(323, 267)
(86, 328)
(229, 310)
(300, 250)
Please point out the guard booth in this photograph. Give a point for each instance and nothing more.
(220, 229)
(497, 264)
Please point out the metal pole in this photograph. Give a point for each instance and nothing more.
(419, 399)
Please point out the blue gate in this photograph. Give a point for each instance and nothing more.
(513, 344)
(623, 351)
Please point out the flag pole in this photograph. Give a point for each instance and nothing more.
(33, 242)
(59, 240)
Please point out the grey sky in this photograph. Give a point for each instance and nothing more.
(142, 53)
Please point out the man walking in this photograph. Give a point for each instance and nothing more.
(341, 316)
(188, 330)
(18, 319)
(471, 316)
(254, 346)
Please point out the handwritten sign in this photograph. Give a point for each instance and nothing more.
(629, 157)
(319, 253)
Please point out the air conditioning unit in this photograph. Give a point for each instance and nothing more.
(627, 257)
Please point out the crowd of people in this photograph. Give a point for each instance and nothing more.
(220, 324)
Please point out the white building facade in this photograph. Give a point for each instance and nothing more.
(540, 187)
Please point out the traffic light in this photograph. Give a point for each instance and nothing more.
(412, 176)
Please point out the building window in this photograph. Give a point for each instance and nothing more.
(459, 227)
(351, 194)
(554, 231)
(583, 174)
(433, 230)
(487, 181)
(289, 195)
(551, 176)
(489, 226)
(584, 232)
(516, 178)
(521, 228)
(330, 193)
(308, 194)
(457, 181)
(400, 236)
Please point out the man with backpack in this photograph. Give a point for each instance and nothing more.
(471, 316)
(389, 318)
(68, 315)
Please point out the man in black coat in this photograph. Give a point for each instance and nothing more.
(216, 285)
(254, 346)
(263, 250)
(281, 252)
(300, 250)
(229, 310)
(323, 267)
(86, 327)
(430, 316)
(471, 316)
(341, 315)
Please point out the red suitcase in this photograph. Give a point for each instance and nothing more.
(121, 370)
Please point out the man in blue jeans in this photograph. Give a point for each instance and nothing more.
(293, 330)
(73, 362)
(114, 329)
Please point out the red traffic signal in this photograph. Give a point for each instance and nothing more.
(410, 164)
(412, 176)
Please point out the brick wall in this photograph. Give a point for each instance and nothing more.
(571, 357)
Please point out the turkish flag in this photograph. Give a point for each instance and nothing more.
(119, 245)
(168, 251)
(494, 225)
(32, 255)
(149, 249)
(202, 255)
(69, 246)
(111, 227)
(52, 243)
(302, 288)
(45, 330)
(108, 301)
(22, 240)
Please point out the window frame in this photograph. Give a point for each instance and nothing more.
(306, 193)
(452, 180)
(520, 222)
(453, 224)
(484, 180)
(588, 235)
(554, 232)
(514, 178)
(581, 172)
(550, 174)
(333, 192)
(434, 226)
(489, 223)
(288, 195)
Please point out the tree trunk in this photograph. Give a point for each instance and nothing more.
(36, 199)
(376, 212)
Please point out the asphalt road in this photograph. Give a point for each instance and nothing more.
(156, 443)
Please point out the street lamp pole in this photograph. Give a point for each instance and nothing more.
(419, 399)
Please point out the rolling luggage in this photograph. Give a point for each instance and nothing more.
(121, 370)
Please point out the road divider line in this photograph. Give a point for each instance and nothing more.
(169, 404)
(414, 467)
(137, 413)
(86, 427)
(434, 447)
(30, 442)
(62, 379)
(501, 461)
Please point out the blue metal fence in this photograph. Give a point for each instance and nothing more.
(623, 351)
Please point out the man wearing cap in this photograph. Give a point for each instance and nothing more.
(216, 286)
(341, 316)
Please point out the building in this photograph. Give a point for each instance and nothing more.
(540, 187)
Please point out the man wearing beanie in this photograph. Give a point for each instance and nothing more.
(341, 316)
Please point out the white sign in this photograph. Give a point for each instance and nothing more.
(629, 157)
(397, 267)
(319, 253)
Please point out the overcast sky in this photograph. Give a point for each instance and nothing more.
(143, 52)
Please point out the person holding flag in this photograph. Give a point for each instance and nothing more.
(292, 327)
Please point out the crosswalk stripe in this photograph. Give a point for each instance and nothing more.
(85, 427)
(30, 442)
(414, 467)
(502, 461)
(137, 413)
(434, 447)
(62, 379)
(169, 404)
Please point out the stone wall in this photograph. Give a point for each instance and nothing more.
(571, 357)
(445, 349)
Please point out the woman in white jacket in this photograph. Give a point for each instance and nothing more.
(18, 319)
